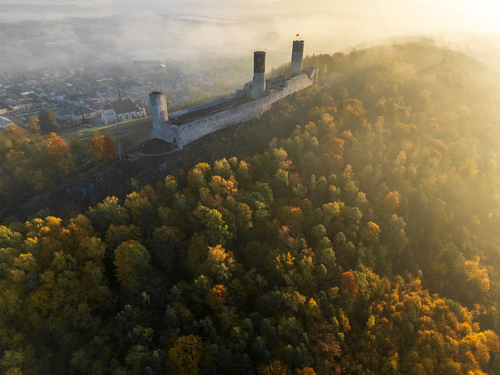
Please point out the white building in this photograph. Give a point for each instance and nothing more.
(25, 104)
(122, 109)
(4, 122)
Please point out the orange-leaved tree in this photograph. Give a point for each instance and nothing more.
(349, 283)
(216, 297)
(102, 147)
(186, 353)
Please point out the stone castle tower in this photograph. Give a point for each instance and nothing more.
(256, 97)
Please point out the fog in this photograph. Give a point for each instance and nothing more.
(35, 34)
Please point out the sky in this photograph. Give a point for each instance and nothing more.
(409, 15)
(163, 29)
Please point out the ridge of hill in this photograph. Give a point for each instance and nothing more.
(364, 241)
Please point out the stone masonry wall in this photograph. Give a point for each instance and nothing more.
(187, 133)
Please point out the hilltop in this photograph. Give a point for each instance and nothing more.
(352, 229)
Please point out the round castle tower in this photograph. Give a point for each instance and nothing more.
(297, 56)
(259, 74)
(159, 113)
(158, 102)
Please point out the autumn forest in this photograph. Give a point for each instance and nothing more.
(363, 242)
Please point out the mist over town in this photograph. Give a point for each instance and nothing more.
(255, 187)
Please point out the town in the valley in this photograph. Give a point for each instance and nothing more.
(100, 93)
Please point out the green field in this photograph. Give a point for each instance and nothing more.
(131, 132)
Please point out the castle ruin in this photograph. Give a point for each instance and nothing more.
(256, 97)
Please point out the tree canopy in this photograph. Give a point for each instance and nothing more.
(48, 120)
(365, 242)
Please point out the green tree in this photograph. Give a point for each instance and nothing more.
(75, 146)
(106, 213)
(216, 230)
(130, 259)
(48, 120)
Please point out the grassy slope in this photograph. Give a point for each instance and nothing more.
(131, 132)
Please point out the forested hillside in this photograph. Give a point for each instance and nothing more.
(31, 162)
(364, 243)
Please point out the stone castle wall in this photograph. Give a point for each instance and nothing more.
(191, 131)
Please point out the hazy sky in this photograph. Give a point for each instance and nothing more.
(409, 15)
(144, 29)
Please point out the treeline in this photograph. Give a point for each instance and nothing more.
(31, 161)
(363, 243)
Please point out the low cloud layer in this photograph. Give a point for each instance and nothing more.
(65, 32)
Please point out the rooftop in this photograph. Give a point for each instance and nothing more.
(4, 122)
(190, 114)
(182, 117)
(123, 106)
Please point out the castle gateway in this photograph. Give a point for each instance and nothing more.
(256, 97)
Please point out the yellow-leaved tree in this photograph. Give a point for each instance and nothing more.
(130, 258)
(186, 353)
